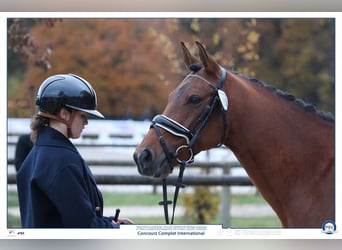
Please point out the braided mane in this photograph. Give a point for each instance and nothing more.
(287, 96)
(306, 106)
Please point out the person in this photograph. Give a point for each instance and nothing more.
(23, 147)
(56, 188)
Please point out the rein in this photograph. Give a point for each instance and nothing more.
(190, 136)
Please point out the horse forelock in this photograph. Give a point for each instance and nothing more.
(196, 66)
(287, 96)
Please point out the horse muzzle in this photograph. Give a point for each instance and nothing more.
(149, 166)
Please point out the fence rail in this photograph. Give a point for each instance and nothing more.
(225, 180)
(116, 135)
(192, 180)
(130, 163)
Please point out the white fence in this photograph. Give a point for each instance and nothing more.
(112, 142)
(108, 146)
(97, 132)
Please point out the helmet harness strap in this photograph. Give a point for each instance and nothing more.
(57, 118)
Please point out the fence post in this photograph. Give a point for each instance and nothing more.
(225, 201)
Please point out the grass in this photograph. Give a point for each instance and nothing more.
(255, 222)
(130, 199)
(13, 221)
(150, 199)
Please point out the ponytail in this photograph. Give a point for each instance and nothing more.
(37, 124)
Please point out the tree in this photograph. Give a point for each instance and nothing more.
(132, 63)
(112, 55)
(301, 59)
(21, 41)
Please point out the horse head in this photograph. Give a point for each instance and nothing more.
(191, 120)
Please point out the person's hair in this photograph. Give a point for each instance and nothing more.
(37, 124)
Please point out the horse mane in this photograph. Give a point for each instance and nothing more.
(287, 96)
(299, 102)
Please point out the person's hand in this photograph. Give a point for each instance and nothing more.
(123, 221)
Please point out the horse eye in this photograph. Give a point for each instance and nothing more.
(194, 99)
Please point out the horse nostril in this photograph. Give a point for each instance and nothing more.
(144, 161)
(145, 156)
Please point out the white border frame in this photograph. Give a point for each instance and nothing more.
(131, 231)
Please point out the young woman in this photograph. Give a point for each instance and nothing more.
(56, 188)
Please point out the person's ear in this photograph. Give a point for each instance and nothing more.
(64, 114)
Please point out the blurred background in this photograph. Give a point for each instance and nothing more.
(133, 64)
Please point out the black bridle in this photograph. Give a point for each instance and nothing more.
(190, 136)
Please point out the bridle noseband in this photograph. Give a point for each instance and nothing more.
(190, 135)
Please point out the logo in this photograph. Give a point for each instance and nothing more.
(14, 233)
(329, 227)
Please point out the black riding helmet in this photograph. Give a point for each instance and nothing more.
(67, 90)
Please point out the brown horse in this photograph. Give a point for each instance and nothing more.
(285, 145)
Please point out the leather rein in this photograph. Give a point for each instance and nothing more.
(190, 136)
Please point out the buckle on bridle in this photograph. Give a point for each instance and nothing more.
(191, 154)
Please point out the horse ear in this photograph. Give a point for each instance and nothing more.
(210, 65)
(188, 58)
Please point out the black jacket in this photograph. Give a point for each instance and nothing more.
(56, 188)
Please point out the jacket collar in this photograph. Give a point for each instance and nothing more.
(51, 137)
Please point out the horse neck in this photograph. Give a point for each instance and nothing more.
(273, 139)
